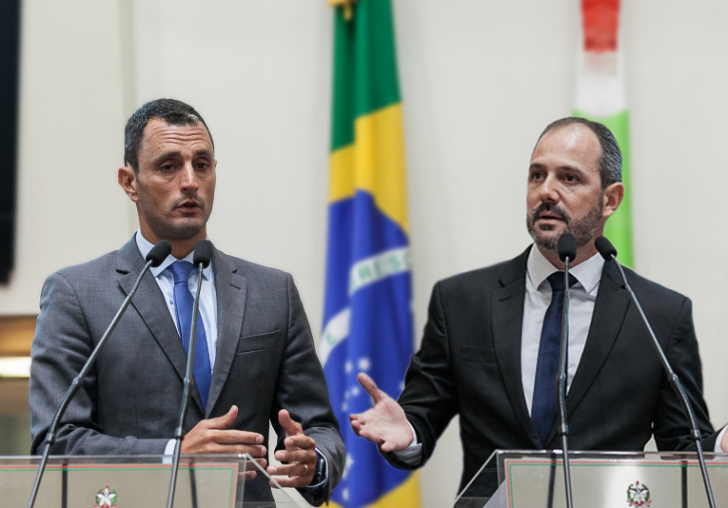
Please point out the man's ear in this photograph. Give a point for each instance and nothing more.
(613, 196)
(128, 181)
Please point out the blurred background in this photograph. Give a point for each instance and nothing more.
(479, 79)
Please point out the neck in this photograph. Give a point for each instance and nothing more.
(181, 247)
(582, 254)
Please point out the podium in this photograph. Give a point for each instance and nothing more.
(534, 479)
(139, 481)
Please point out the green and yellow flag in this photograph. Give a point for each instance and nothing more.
(367, 309)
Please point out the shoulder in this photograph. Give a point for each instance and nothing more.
(253, 272)
(654, 294)
(494, 275)
(88, 272)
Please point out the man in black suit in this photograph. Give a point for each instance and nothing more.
(484, 351)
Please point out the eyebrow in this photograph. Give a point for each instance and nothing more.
(178, 155)
(570, 169)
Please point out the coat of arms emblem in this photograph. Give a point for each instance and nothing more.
(638, 494)
(106, 498)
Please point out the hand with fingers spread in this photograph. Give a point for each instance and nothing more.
(214, 436)
(384, 424)
(299, 457)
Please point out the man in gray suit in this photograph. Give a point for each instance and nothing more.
(257, 360)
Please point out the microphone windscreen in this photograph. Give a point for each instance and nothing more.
(567, 247)
(159, 253)
(605, 248)
(203, 253)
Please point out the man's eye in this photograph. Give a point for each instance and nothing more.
(571, 178)
(166, 167)
(535, 176)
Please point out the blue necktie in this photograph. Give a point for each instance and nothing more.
(183, 304)
(543, 409)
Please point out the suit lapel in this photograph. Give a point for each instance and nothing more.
(507, 303)
(610, 309)
(231, 291)
(149, 303)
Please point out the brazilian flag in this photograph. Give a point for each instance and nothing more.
(367, 309)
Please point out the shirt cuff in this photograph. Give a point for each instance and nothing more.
(412, 455)
(719, 440)
(169, 449)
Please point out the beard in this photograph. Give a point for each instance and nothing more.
(584, 228)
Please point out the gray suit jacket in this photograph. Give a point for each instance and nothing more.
(129, 404)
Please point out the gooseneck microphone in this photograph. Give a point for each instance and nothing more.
(567, 253)
(609, 253)
(155, 258)
(201, 259)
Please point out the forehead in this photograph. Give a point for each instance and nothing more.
(573, 145)
(161, 137)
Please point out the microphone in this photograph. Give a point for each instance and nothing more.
(567, 253)
(155, 257)
(567, 247)
(201, 259)
(609, 253)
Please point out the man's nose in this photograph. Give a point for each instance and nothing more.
(548, 191)
(188, 178)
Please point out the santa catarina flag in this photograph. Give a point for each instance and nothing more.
(367, 309)
(601, 97)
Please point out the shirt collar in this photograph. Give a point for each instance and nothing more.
(145, 246)
(587, 273)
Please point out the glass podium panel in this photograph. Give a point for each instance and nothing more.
(534, 479)
(203, 481)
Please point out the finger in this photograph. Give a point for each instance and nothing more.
(252, 450)
(236, 437)
(285, 481)
(356, 426)
(224, 421)
(299, 441)
(291, 456)
(371, 387)
(249, 475)
(292, 428)
(292, 470)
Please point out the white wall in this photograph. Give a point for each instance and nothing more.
(480, 80)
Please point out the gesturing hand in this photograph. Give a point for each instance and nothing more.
(384, 424)
(299, 458)
(213, 436)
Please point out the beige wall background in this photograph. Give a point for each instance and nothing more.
(480, 80)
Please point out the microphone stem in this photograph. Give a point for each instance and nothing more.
(562, 382)
(676, 386)
(78, 383)
(187, 392)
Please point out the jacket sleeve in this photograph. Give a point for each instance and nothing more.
(302, 390)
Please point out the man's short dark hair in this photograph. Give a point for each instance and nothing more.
(610, 160)
(172, 111)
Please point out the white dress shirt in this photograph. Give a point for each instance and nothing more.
(538, 298)
(208, 296)
(208, 300)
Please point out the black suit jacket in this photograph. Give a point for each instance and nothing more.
(469, 364)
(129, 404)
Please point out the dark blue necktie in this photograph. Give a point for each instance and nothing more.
(543, 409)
(183, 304)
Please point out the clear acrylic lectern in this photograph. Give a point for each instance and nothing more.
(534, 479)
(141, 481)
